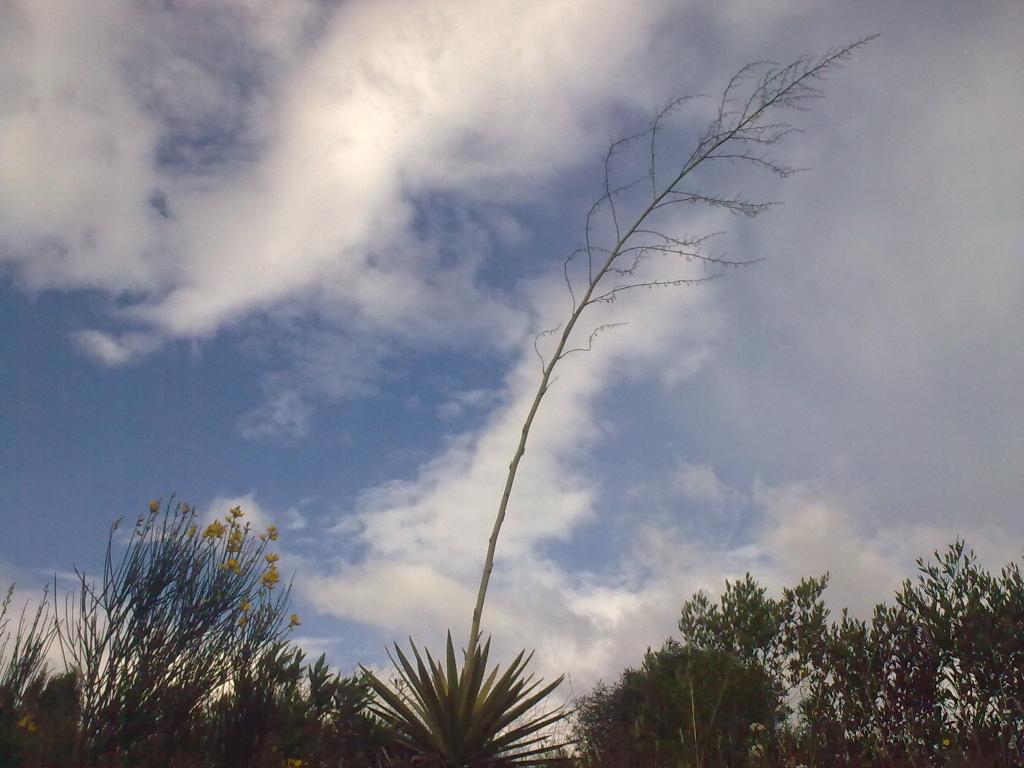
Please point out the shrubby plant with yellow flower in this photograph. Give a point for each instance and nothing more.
(161, 630)
(24, 678)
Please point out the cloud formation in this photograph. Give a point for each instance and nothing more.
(848, 395)
(331, 184)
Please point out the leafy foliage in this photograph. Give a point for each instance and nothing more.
(31, 640)
(450, 717)
(939, 673)
(682, 706)
(23, 679)
(279, 709)
(156, 637)
(935, 678)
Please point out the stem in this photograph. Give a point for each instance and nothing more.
(513, 468)
(707, 148)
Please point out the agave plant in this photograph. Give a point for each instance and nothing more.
(454, 718)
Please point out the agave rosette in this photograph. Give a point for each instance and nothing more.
(467, 717)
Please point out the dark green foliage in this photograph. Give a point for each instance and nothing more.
(154, 638)
(176, 659)
(23, 682)
(279, 709)
(785, 636)
(936, 678)
(683, 706)
(42, 729)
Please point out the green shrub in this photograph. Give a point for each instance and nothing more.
(446, 717)
(156, 637)
(683, 706)
(935, 678)
(278, 709)
(22, 676)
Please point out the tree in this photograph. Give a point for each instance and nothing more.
(683, 706)
(935, 678)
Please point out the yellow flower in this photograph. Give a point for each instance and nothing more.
(243, 620)
(245, 605)
(28, 724)
(236, 512)
(235, 540)
(191, 531)
(946, 742)
(272, 558)
(295, 621)
(270, 577)
(154, 506)
(214, 530)
(272, 532)
(293, 762)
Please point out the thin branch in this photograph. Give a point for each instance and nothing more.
(734, 204)
(609, 193)
(568, 280)
(590, 339)
(537, 338)
(663, 113)
(609, 296)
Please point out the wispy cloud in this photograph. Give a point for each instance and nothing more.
(423, 539)
(112, 350)
(699, 483)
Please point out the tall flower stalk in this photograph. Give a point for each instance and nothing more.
(744, 129)
(449, 716)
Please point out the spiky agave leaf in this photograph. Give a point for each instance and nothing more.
(467, 717)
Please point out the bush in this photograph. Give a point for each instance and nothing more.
(279, 710)
(22, 678)
(156, 638)
(683, 706)
(937, 678)
(177, 658)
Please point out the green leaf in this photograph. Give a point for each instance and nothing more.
(456, 717)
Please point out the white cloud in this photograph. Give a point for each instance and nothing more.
(132, 164)
(870, 372)
(114, 351)
(292, 519)
(424, 539)
(879, 357)
(285, 413)
(700, 483)
(210, 164)
(461, 401)
(75, 150)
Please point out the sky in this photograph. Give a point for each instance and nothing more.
(294, 256)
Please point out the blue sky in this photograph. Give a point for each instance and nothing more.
(293, 256)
